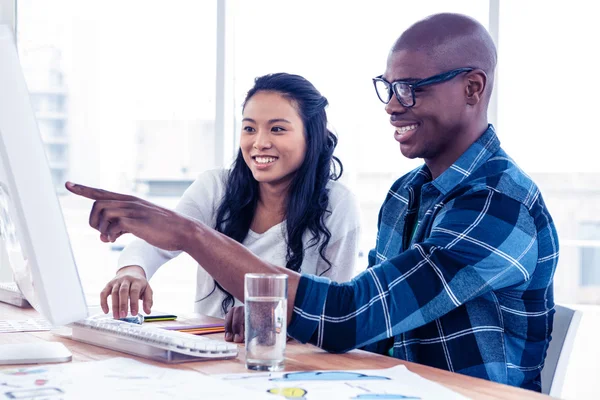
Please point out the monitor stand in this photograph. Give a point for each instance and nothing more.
(10, 294)
(34, 353)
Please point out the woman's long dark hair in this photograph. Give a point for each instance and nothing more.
(308, 195)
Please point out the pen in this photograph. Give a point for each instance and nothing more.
(184, 327)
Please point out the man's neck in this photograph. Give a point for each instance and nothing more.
(445, 160)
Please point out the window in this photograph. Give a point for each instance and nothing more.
(590, 265)
(589, 249)
(546, 125)
(339, 53)
(111, 86)
(124, 94)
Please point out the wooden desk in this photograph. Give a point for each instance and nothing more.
(298, 357)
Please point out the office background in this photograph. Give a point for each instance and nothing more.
(142, 95)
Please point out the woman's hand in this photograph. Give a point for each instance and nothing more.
(115, 214)
(127, 288)
(234, 325)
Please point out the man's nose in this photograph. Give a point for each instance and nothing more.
(394, 107)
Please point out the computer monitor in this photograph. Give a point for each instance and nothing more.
(31, 222)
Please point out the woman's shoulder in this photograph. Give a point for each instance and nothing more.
(214, 179)
(344, 207)
(340, 194)
(208, 185)
(217, 175)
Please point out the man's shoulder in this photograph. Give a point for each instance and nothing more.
(401, 182)
(503, 175)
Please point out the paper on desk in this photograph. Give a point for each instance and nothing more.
(116, 378)
(392, 383)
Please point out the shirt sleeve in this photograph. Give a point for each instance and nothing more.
(342, 251)
(479, 242)
(199, 201)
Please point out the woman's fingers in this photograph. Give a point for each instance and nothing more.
(126, 292)
(134, 297)
(114, 296)
(123, 299)
(148, 299)
(104, 297)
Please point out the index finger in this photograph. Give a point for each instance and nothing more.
(96, 194)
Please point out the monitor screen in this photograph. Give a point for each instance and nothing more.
(32, 227)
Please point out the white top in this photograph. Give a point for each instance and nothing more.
(201, 201)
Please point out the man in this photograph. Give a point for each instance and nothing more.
(461, 276)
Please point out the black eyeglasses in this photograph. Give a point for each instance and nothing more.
(405, 90)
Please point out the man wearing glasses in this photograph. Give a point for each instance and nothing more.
(461, 275)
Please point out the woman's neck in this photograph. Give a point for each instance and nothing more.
(270, 210)
(273, 197)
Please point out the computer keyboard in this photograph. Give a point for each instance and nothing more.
(10, 293)
(150, 342)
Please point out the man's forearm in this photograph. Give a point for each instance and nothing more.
(227, 261)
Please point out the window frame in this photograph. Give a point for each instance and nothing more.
(225, 137)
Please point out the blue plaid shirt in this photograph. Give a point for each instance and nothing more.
(468, 290)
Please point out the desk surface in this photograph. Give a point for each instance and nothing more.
(298, 357)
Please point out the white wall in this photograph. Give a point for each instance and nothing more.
(7, 13)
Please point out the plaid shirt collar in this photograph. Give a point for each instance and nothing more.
(468, 162)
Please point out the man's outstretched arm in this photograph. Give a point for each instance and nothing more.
(480, 242)
(227, 261)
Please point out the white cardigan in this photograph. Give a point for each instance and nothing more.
(201, 201)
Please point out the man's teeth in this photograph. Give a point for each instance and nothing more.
(265, 160)
(404, 129)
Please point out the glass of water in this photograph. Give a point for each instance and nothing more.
(266, 325)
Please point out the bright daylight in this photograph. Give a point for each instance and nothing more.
(173, 217)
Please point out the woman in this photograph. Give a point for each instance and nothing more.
(280, 199)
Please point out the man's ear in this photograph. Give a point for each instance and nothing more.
(476, 84)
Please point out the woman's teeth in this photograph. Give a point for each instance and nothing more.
(264, 160)
(403, 129)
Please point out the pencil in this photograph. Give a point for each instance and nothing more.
(184, 327)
